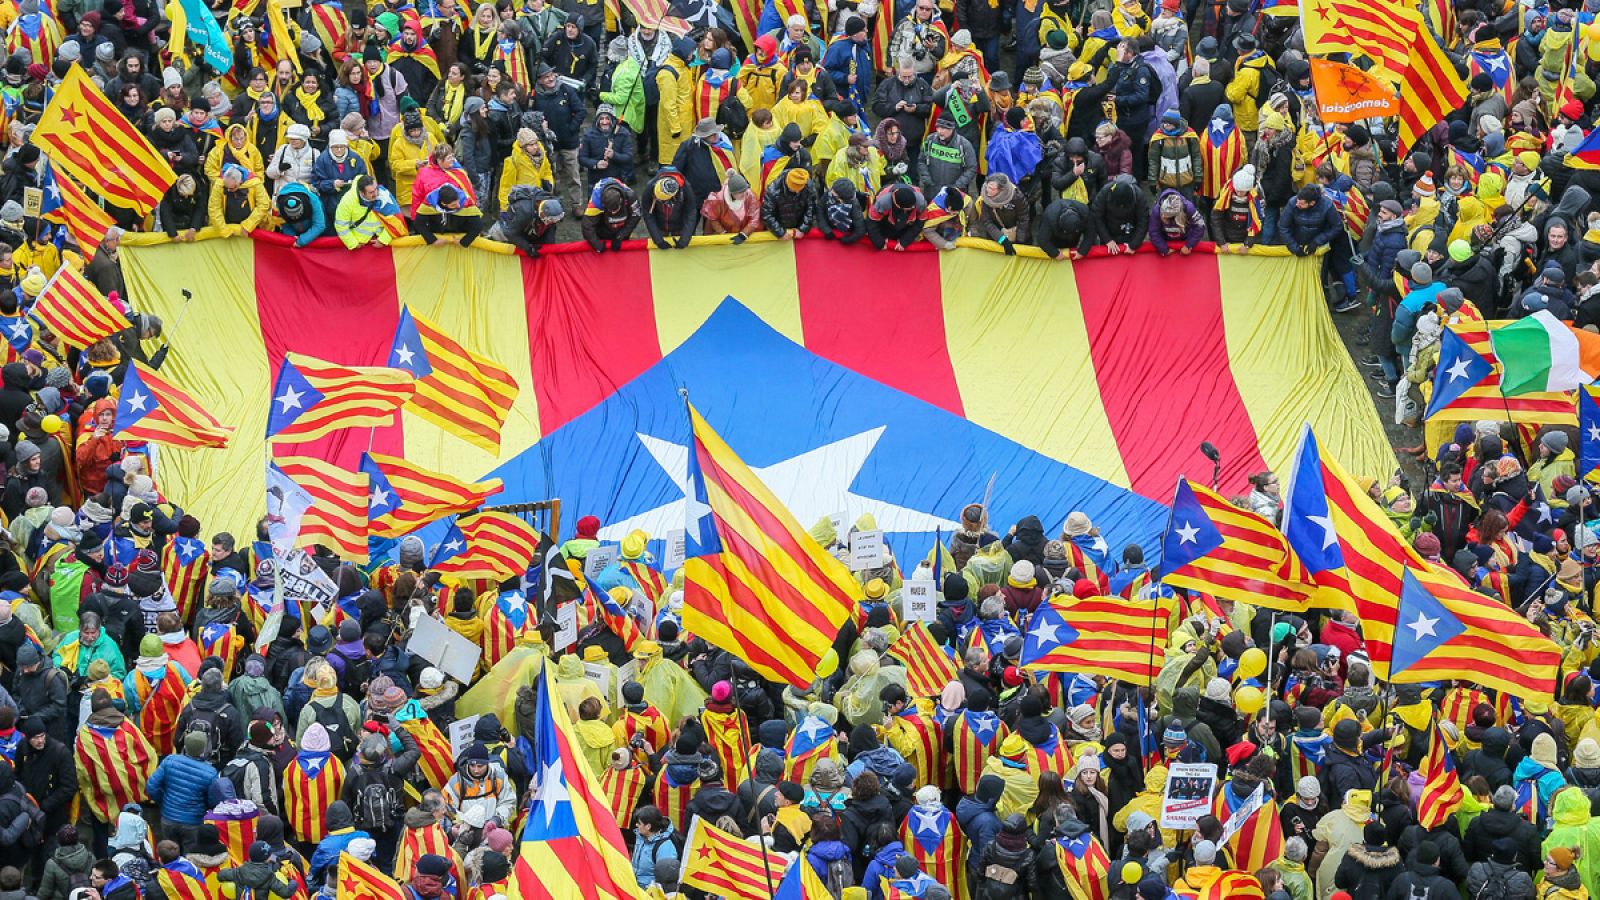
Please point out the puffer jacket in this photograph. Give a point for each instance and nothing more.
(647, 851)
(183, 785)
(783, 210)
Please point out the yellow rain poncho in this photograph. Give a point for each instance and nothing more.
(858, 698)
(667, 686)
(1574, 827)
(1471, 214)
(1491, 191)
(575, 687)
(496, 691)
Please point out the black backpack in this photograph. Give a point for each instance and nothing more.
(356, 674)
(377, 803)
(341, 737)
(209, 723)
(732, 116)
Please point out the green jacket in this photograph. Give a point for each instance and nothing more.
(627, 94)
(1574, 827)
(74, 658)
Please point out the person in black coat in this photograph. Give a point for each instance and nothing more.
(1489, 760)
(695, 160)
(1344, 767)
(1121, 213)
(1499, 832)
(1446, 842)
(14, 396)
(529, 219)
(1075, 163)
(1370, 867)
(670, 210)
(607, 147)
(867, 807)
(1065, 229)
(1026, 540)
(907, 99)
(183, 208)
(174, 142)
(1422, 877)
(47, 769)
(572, 53)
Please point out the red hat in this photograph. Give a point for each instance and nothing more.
(1240, 752)
(1011, 676)
(1558, 534)
(588, 527)
(1083, 587)
(1572, 109)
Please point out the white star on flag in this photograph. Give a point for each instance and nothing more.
(378, 499)
(811, 485)
(1329, 536)
(1459, 370)
(552, 792)
(1188, 534)
(405, 355)
(1045, 632)
(1424, 627)
(136, 401)
(290, 399)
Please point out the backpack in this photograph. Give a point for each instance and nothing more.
(341, 737)
(377, 803)
(998, 882)
(732, 115)
(357, 672)
(1493, 882)
(209, 723)
(840, 875)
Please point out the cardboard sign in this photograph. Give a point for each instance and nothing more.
(840, 526)
(32, 201)
(1242, 815)
(1187, 795)
(866, 550)
(676, 552)
(461, 735)
(920, 601)
(566, 636)
(453, 654)
(600, 675)
(598, 559)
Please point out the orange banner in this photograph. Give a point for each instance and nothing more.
(1347, 94)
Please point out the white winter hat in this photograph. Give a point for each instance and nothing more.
(1244, 180)
(338, 138)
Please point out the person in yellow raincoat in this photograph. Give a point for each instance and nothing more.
(496, 691)
(667, 686)
(527, 163)
(858, 699)
(801, 108)
(1010, 765)
(860, 164)
(762, 133)
(595, 739)
(675, 111)
(575, 687)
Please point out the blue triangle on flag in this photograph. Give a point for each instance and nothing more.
(1422, 625)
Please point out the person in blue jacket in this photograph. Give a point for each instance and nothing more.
(187, 786)
(301, 211)
(849, 63)
(335, 169)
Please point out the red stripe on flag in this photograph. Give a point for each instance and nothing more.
(353, 325)
(901, 344)
(1163, 369)
(608, 300)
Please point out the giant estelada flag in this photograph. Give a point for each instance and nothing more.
(851, 381)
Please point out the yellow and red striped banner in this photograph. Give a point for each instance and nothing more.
(337, 517)
(75, 310)
(1250, 353)
(722, 864)
(85, 135)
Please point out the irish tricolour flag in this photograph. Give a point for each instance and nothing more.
(1541, 353)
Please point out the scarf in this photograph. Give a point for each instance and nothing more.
(151, 664)
(325, 692)
(308, 102)
(455, 95)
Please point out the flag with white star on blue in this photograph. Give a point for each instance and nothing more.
(1460, 369)
(1307, 522)
(1422, 625)
(1190, 532)
(1588, 429)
